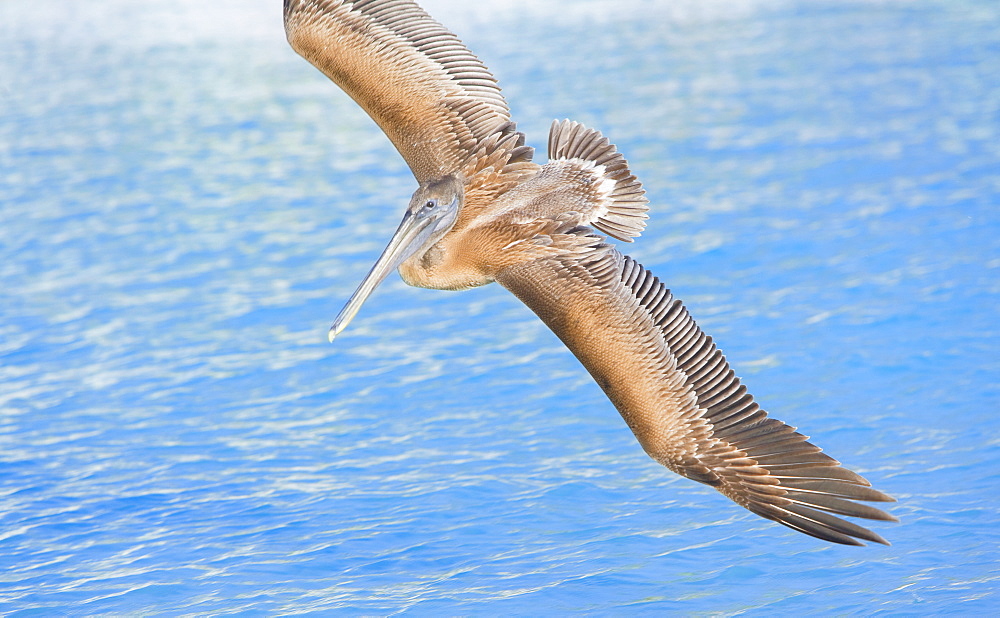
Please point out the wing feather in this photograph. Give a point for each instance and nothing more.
(679, 396)
(430, 95)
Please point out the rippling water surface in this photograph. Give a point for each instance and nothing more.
(185, 204)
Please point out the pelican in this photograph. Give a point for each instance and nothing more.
(483, 211)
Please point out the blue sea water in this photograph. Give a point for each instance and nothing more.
(185, 204)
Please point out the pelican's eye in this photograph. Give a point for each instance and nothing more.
(429, 205)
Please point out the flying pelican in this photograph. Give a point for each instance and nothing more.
(484, 212)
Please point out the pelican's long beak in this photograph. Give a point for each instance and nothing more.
(413, 232)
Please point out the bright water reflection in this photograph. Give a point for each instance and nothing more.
(184, 204)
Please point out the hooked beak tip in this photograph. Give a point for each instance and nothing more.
(333, 333)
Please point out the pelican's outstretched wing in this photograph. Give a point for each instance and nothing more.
(677, 393)
(432, 97)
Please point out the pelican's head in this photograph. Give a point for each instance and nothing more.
(431, 214)
(434, 206)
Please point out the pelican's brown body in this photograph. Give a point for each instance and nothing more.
(485, 212)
